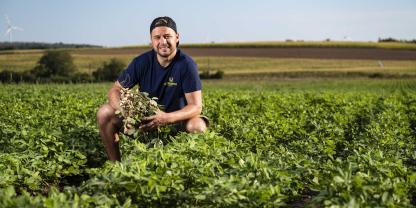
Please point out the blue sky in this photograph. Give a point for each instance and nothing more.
(121, 23)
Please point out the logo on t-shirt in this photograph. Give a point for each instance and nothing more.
(170, 82)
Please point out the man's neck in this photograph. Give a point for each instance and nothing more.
(165, 61)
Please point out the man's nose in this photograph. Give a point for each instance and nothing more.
(163, 40)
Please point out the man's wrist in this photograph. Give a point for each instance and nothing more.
(169, 118)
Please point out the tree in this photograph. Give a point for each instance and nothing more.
(55, 63)
(109, 71)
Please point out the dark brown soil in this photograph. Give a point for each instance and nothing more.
(316, 53)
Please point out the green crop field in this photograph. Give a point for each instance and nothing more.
(289, 143)
(240, 67)
(285, 132)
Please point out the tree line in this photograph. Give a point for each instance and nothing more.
(58, 66)
(387, 40)
(39, 45)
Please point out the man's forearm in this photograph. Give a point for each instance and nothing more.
(114, 97)
(189, 111)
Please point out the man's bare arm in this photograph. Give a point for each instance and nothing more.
(192, 109)
(114, 95)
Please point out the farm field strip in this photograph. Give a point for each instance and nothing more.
(230, 65)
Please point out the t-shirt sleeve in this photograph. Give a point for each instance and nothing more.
(128, 78)
(191, 81)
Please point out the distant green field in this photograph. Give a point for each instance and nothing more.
(26, 60)
(380, 86)
(89, 59)
(248, 66)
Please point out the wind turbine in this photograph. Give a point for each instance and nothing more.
(10, 28)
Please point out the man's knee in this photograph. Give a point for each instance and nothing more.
(105, 113)
(196, 125)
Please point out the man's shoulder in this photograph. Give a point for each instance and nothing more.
(183, 57)
(144, 57)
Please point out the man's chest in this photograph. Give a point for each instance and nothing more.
(157, 82)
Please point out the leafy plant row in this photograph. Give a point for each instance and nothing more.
(267, 149)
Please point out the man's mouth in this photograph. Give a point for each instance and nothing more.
(164, 47)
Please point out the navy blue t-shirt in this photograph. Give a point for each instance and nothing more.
(169, 84)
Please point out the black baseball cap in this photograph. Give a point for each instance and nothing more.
(163, 22)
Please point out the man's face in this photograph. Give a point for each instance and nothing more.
(164, 41)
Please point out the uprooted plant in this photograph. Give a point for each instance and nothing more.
(134, 107)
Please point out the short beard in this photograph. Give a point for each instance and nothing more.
(165, 55)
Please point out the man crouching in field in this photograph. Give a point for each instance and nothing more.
(164, 72)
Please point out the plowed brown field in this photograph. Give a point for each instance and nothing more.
(318, 53)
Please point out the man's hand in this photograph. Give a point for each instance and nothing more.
(160, 119)
(192, 109)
